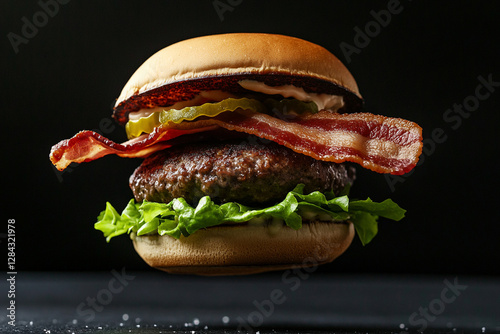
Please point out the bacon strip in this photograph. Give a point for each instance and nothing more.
(378, 143)
(382, 144)
(87, 146)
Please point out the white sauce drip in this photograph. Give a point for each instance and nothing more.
(323, 101)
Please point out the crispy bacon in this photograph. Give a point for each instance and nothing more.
(381, 144)
(378, 143)
(87, 146)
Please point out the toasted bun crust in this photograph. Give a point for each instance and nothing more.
(246, 249)
(237, 54)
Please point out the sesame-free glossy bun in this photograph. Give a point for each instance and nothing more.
(181, 70)
(246, 249)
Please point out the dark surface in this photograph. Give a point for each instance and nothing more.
(282, 302)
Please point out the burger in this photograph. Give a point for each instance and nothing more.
(249, 143)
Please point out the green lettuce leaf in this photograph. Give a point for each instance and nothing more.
(179, 218)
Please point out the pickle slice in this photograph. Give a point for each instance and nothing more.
(142, 125)
(209, 109)
(147, 124)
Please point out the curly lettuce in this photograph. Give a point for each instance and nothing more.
(179, 218)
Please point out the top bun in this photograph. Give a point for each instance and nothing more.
(238, 54)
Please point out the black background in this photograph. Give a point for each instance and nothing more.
(427, 59)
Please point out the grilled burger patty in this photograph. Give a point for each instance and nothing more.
(245, 171)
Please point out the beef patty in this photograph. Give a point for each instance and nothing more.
(245, 171)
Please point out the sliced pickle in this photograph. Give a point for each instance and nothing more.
(147, 124)
(142, 125)
(209, 109)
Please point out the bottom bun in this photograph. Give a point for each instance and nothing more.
(246, 249)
